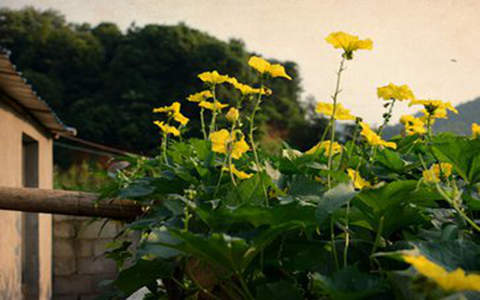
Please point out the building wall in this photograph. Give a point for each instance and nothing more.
(12, 126)
(79, 265)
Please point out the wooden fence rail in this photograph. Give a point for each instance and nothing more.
(66, 203)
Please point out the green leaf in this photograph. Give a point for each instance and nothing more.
(348, 284)
(250, 191)
(400, 204)
(333, 200)
(462, 153)
(224, 217)
(144, 272)
(390, 159)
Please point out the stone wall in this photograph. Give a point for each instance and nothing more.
(78, 262)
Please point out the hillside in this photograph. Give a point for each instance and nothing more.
(468, 113)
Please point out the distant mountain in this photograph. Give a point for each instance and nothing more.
(468, 113)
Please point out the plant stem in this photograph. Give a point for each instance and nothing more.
(164, 147)
(202, 120)
(378, 236)
(245, 287)
(332, 121)
(455, 206)
(347, 237)
(252, 141)
(214, 112)
(332, 240)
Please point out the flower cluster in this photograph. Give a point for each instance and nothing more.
(437, 172)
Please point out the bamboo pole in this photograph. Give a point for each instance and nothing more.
(66, 203)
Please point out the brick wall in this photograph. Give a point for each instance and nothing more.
(78, 263)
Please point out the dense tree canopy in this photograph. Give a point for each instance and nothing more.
(105, 82)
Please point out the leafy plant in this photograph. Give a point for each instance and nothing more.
(224, 220)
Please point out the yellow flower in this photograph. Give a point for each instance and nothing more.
(232, 114)
(433, 175)
(475, 130)
(348, 43)
(435, 108)
(167, 129)
(180, 118)
(170, 110)
(413, 125)
(392, 91)
(325, 147)
(341, 113)
(373, 138)
(239, 174)
(245, 89)
(213, 77)
(264, 67)
(222, 141)
(358, 181)
(450, 281)
(200, 96)
(239, 147)
(212, 105)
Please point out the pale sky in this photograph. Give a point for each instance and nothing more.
(415, 41)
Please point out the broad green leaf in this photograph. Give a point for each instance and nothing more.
(397, 205)
(348, 284)
(390, 159)
(332, 200)
(224, 217)
(144, 272)
(462, 153)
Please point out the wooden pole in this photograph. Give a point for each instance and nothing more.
(66, 203)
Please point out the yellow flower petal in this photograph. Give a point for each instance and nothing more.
(278, 70)
(450, 281)
(213, 77)
(341, 113)
(167, 128)
(325, 147)
(475, 130)
(232, 114)
(436, 172)
(180, 118)
(373, 138)
(413, 125)
(212, 105)
(239, 148)
(259, 64)
(392, 91)
(358, 181)
(238, 173)
(200, 96)
(220, 140)
(264, 67)
(348, 42)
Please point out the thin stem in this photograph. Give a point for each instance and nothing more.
(347, 237)
(245, 287)
(202, 120)
(164, 146)
(378, 236)
(456, 207)
(332, 121)
(220, 178)
(214, 112)
(252, 141)
(387, 118)
(252, 127)
(334, 248)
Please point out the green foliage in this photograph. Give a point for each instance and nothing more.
(105, 82)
